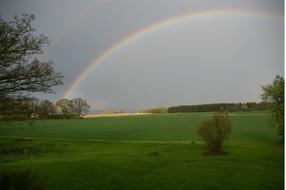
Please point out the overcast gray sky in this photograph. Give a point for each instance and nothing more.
(218, 59)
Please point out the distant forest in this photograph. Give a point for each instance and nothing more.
(221, 107)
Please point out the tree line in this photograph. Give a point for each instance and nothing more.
(221, 107)
(32, 108)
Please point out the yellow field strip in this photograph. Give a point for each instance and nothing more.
(114, 115)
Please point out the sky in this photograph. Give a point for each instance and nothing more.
(223, 55)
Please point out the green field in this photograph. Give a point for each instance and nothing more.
(145, 152)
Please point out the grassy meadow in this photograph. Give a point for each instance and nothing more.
(160, 151)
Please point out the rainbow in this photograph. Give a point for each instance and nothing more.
(169, 22)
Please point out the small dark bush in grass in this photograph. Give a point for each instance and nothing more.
(154, 154)
(214, 131)
(21, 180)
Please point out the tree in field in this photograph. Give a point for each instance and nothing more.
(65, 107)
(274, 93)
(21, 72)
(73, 107)
(80, 106)
(45, 108)
(20, 108)
(215, 131)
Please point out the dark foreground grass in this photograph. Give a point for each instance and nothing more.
(24, 180)
(147, 152)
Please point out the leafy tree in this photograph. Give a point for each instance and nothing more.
(65, 107)
(215, 131)
(20, 71)
(274, 93)
(45, 108)
(73, 107)
(20, 108)
(80, 106)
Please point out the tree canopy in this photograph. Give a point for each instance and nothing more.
(21, 73)
(72, 107)
(274, 93)
(20, 70)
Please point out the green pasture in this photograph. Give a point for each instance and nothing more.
(160, 151)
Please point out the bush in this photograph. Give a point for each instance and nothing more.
(21, 180)
(215, 131)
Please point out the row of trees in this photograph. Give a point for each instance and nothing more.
(221, 107)
(45, 109)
